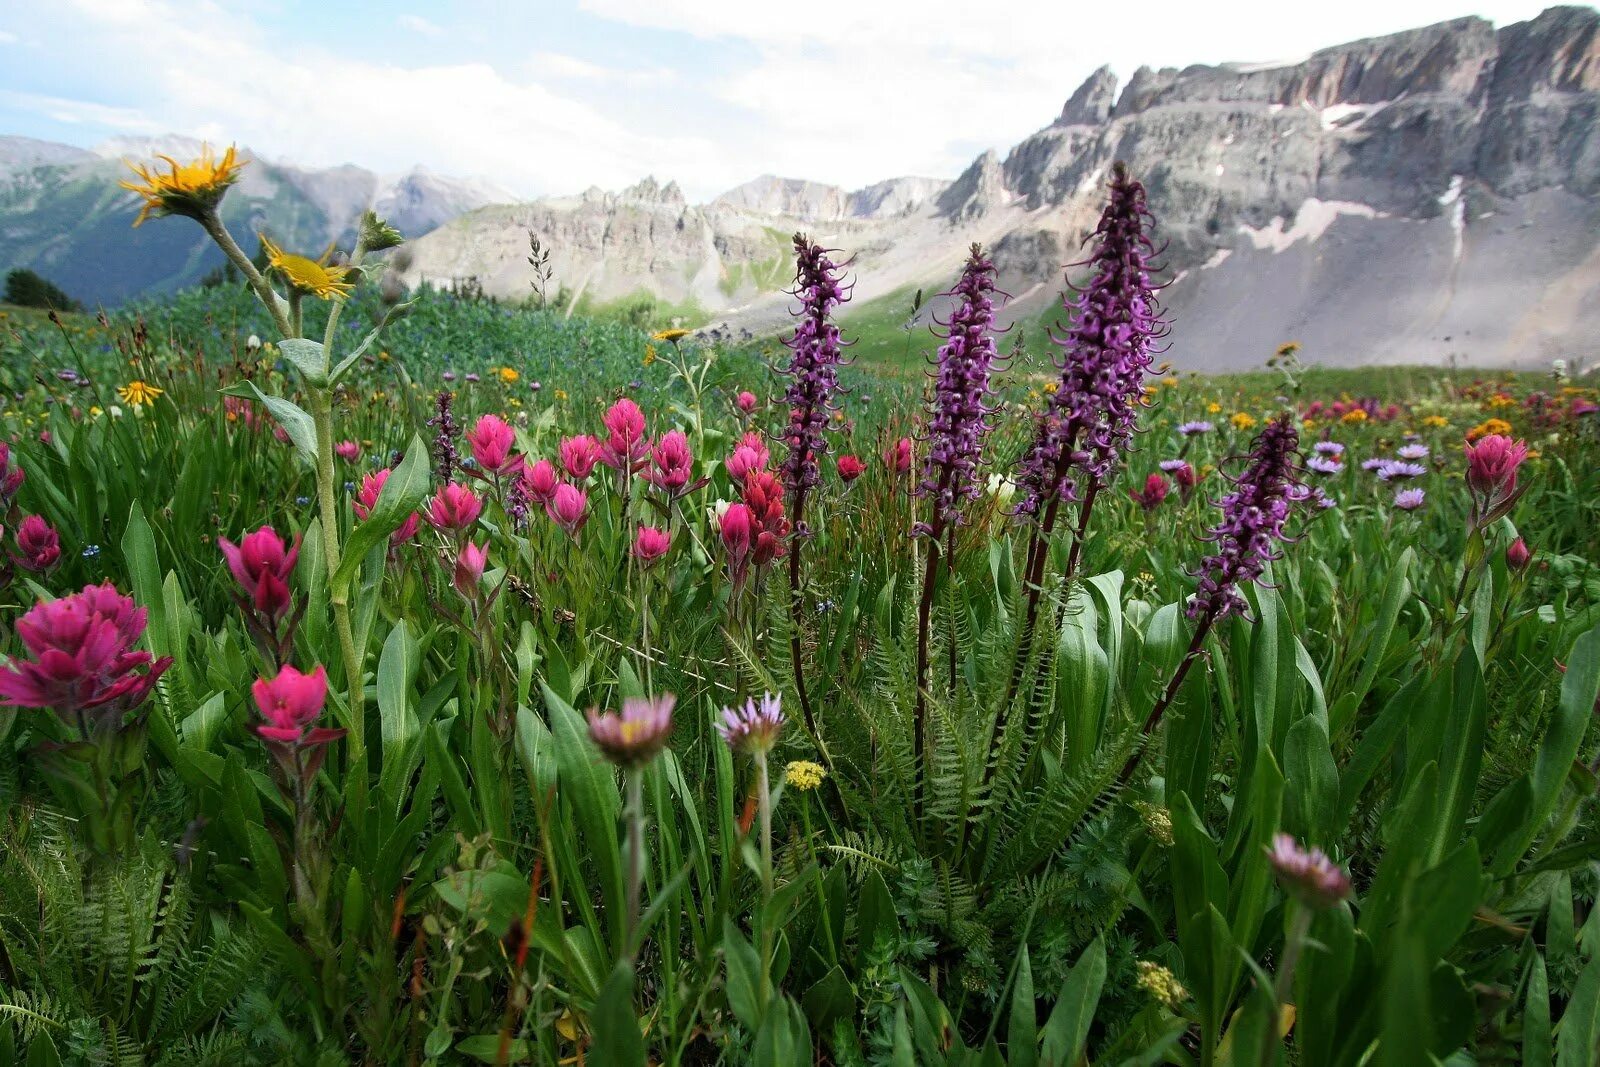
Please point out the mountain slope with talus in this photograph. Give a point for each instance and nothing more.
(1428, 196)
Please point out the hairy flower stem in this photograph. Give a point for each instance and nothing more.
(269, 298)
(322, 417)
(634, 815)
(922, 752)
(1168, 695)
(796, 606)
(1283, 985)
(764, 811)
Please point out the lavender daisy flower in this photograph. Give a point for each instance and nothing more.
(1375, 462)
(1409, 499)
(1399, 468)
(1328, 448)
(1199, 426)
(1413, 451)
(1115, 320)
(1324, 465)
(1307, 874)
(754, 727)
(813, 367)
(959, 418)
(1170, 465)
(637, 735)
(1253, 517)
(1321, 500)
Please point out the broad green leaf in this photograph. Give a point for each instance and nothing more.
(296, 422)
(402, 494)
(308, 357)
(1067, 1029)
(614, 1023)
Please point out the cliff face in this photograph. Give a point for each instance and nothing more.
(1428, 196)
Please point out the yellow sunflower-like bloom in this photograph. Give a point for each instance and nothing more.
(508, 375)
(669, 335)
(803, 775)
(1242, 420)
(139, 393)
(313, 276)
(193, 189)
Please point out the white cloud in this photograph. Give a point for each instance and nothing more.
(83, 113)
(6, 37)
(561, 67)
(418, 24)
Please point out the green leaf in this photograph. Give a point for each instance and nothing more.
(1022, 1031)
(875, 917)
(1559, 748)
(395, 313)
(295, 421)
(1579, 1043)
(589, 790)
(1313, 780)
(1536, 1047)
(614, 1024)
(396, 669)
(402, 494)
(1067, 1029)
(308, 357)
(829, 999)
(744, 974)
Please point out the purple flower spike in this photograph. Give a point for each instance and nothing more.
(960, 414)
(754, 727)
(1253, 516)
(1115, 320)
(813, 366)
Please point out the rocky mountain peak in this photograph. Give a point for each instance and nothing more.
(650, 191)
(980, 189)
(1091, 104)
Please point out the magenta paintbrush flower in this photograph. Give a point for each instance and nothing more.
(579, 455)
(897, 457)
(745, 401)
(348, 451)
(11, 478)
(651, 544)
(1307, 873)
(262, 564)
(470, 564)
(492, 438)
(625, 448)
(1518, 555)
(754, 727)
(671, 463)
(635, 736)
(1492, 465)
(83, 658)
(290, 702)
(1154, 492)
(539, 481)
(750, 454)
(568, 508)
(38, 545)
(851, 467)
(453, 509)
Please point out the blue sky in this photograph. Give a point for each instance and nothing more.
(552, 97)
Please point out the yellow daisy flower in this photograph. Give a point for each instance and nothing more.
(1242, 420)
(313, 276)
(193, 189)
(1353, 415)
(139, 393)
(508, 375)
(669, 335)
(1051, 387)
(649, 354)
(1213, 408)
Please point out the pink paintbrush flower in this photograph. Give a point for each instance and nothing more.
(261, 563)
(579, 455)
(492, 438)
(38, 545)
(453, 509)
(290, 702)
(568, 508)
(651, 544)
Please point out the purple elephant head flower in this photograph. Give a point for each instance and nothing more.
(816, 353)
(960, 411)
(1253, 517)
(1115, 321)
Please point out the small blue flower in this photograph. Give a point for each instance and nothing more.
(91, 551)
(302, 500)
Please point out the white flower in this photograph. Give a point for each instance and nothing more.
(253, 344)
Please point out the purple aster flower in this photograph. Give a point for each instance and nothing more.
(1115, 320)
(1253, 517)
(816, 353)
(1413, 451)
(449, 375)
(1375, 462)
(1409, 499)
(754, 727)
(1328, 448)
(1307, 873)
(472, 377)
(1324, 465)
(634, 737)
(959, 417)
(1199, 426)
(1171, 465)
(1321, 500)
(1399, 468)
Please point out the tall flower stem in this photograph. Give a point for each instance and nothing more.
(322, 417)
(634, 815)
(1168, 695)
(1283, 985)
(764, 812)
(269, 298)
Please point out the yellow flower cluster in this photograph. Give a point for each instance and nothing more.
(669, 335)
(1242, 420)
(1354, 416)
(1157, 822)
(1435, 422)
(1487, 427)
(803, 775)
(1162, 985)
